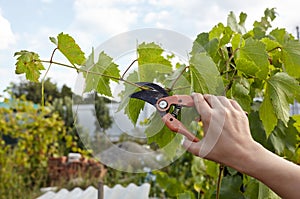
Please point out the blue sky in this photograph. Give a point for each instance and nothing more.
(27, 24)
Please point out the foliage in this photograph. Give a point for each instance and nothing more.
(28, 136)
(32, 91)
(228, 60)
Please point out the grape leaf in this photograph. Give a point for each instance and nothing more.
(230, 187)
(151, 62)
(238, 27)
(240, 92)
(257, 190)
(160, 134)
(68, 47)
(132, 106)
(205, 77)
(281, 91)
(237, 41)
(221, 34)
(297, 122)
(279, 35)
(98, 75)
(254, 52)
(30, 64)
(204, 44)
(291, 58)
(283, 138)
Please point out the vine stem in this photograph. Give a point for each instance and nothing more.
(175, 81)
(127, 69)
(221, 171)
(91, 72)
(45, 75)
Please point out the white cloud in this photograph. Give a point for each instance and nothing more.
(104, 17)
(7, 36)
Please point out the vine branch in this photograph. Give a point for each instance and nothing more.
(90, 72)
(43, 80)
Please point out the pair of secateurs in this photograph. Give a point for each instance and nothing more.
(162, 101)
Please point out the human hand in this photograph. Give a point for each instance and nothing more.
(227, 138)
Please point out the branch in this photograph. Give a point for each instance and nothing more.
(127, 69)
(92, 72)
(43, 80)
(172, 87)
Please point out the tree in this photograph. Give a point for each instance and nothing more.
(228, 60)
(32, 90)
(39, 134)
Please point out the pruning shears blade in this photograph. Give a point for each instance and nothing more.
(149, 96)
(153, 87)
(151, 92)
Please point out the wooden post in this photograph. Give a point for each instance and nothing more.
(100, 190)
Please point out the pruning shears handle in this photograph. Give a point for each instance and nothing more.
(164, 104)
(158, 97)
(176, 126)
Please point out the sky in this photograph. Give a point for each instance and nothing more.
(27, 24)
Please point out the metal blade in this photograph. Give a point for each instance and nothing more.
(149, 96)
(154, 87)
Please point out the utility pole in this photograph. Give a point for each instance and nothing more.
(297, 29)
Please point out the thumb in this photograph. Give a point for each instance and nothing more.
(192, 147)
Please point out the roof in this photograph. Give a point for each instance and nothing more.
(130, 192)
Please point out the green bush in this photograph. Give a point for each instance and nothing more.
(28, 136)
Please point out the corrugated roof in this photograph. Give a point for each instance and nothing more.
(132, 191)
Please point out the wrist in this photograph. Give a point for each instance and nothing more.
(248, 158)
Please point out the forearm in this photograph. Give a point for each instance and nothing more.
(282, 176)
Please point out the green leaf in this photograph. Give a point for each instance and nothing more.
(291, 58)
(68, 47)
(257, 129)
(284, 138)
(203, 43)
(151, 62)
(238, 27)
(246, 66)
(30, 64)
(230, 187)
(297, 122)
(53, 40)
(98, 75)
(270, 44)
(180, 78)
(265, 22)
(237, 41)
(171, 185)
(279, 35)
(205, 77)
(219, 35)
(240, 92)
(160, 134)
(267, 115)
(132, 106)
(281, 91)
(186, 195)
(257, 190)
(254, 52)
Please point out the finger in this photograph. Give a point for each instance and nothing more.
(225, 101)
(192, 147)
(201, 104)
(212, 100)
(236, 105)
